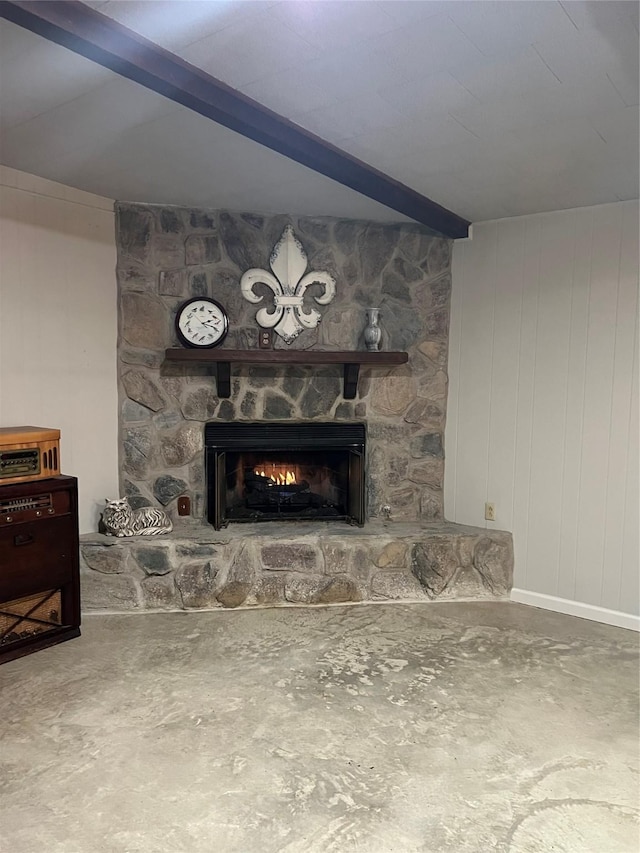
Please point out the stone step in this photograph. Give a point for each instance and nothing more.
(285, 563)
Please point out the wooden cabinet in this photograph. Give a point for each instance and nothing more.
(39, 565)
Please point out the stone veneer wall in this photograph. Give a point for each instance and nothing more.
(166, 255)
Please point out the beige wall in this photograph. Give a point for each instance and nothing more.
(58, 326)
(543, 401)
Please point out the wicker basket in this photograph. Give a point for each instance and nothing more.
(34, 614)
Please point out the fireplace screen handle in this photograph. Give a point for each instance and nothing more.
(220, 490)
(356, 487)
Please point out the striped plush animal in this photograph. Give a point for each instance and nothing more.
(120, 519)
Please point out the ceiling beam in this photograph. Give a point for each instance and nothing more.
(103, 40)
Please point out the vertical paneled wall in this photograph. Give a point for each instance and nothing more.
(58, 326)
(543, 397)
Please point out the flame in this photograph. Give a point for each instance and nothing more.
(280, 478)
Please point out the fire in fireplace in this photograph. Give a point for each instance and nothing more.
(281, 484)
(267, 471)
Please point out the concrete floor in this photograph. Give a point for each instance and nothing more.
(465, 727)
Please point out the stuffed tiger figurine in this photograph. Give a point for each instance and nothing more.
(120, 519)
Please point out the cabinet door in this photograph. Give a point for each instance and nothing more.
(35, 556)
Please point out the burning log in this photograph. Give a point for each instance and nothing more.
(262, 483)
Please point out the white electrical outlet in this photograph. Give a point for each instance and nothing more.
(490, 511)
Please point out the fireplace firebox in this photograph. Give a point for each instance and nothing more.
(293, 472)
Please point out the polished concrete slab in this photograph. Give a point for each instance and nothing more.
(397, 728)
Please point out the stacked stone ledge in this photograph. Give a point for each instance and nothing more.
(195, 568)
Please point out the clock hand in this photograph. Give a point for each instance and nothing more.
(197, 319)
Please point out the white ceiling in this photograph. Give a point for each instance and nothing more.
(491, 109)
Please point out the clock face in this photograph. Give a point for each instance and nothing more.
(201, 322)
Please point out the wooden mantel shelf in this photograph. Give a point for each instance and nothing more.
(224, 358)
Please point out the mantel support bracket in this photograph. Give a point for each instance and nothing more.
(223, 378)
(351, 373)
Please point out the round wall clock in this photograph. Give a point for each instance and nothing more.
(201, 322)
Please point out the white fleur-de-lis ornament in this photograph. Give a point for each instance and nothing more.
(288, 282)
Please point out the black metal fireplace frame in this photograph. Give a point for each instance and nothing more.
(222, 437)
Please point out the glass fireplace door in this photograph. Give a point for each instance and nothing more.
(268, 472)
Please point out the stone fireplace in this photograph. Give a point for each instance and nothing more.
(168, 254)
(170, 413)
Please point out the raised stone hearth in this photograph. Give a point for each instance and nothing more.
(278, 563)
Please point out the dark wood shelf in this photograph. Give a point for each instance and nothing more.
(224, 358)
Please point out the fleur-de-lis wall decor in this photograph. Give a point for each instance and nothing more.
(288, 282)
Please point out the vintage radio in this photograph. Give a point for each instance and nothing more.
(28, 453)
